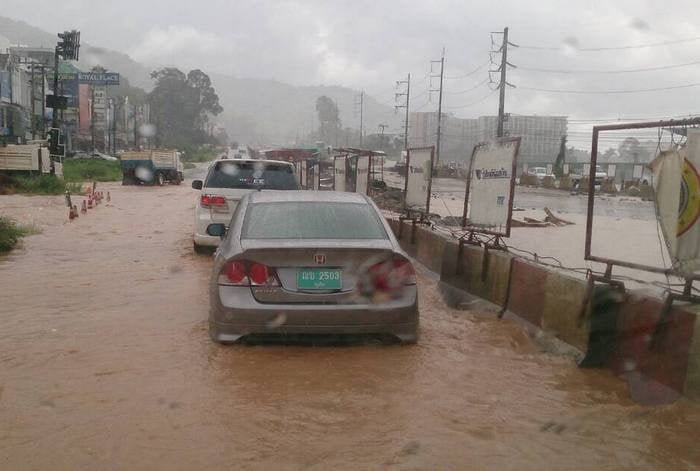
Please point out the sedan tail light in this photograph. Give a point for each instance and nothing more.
(389, 276)
(213, 202)
(245, 273)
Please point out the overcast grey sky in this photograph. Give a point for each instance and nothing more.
(370, 44)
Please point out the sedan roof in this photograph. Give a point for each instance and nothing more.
(306, 196)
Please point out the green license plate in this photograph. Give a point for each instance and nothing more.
(319, 278)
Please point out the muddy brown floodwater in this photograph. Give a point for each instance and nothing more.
(105, 363)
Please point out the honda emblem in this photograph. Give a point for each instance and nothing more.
(320, 259)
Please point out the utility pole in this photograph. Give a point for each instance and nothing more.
(361, 104)
(439, 119)
(43, 101)
(382, 127)
(92, 116)
(407, 94)
(33, 95)
(54, 122)
(503, 82)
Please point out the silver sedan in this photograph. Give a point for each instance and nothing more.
(310, 262)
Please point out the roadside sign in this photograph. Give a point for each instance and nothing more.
(339, 163)
(99, 78)
(419, 177)
(488, 203)
(362, 174)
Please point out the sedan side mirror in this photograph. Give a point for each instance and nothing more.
(197, 184)
(216, 230)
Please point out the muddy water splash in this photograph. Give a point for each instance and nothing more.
(105, 363)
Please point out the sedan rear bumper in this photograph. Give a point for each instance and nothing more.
(243, 315)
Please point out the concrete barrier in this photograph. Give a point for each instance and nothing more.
(526, 294)
(563, 299)
(665, 353)
(659, 351)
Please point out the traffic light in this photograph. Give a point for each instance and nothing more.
(54, 138)
(69, 45)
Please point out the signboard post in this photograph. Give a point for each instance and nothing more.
(304, 174)
(362, 174)
(419, 178)
(339, 162)
(488, 202)
(317, 177)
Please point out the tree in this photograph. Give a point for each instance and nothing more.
(558, 169)
(181, 105)
(610, 155)
(328, 118)
(631, 151)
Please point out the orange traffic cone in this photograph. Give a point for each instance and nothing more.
(72, 214)
(109, 197)
(89, 204)
(84, 208)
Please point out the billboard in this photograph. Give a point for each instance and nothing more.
(677, 189)
(98, 78)
(488, 204)
(339, 172)
(85, 108)
(362, 174)
(419, 175)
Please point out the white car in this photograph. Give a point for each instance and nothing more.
(539, 172)
(227, 181)
(600, 174)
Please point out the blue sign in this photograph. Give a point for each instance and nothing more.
(99, 78)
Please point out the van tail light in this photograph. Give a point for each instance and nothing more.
(213, 202)
(389, 276)
(245, 273)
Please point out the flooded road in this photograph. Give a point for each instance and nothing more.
(105, 363)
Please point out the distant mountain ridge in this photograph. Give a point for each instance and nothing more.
(255, 111)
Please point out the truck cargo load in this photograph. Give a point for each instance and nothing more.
(29, 158)
(151, 167)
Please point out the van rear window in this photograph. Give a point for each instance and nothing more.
(252, 175)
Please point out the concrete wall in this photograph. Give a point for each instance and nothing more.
(628, 335)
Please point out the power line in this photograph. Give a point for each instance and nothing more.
(480, 84)
(619, 71)
(469, 73)
(612, 48)
(474, 102)
(604, 92)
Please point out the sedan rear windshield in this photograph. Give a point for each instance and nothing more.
(312, 220)
(252, 175)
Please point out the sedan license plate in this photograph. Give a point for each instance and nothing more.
(319, 278)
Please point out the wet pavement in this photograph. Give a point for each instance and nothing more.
(105, 363)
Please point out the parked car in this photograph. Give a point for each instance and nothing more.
(600, 174)
(226, 182)
(310, 262)
(539, 172)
